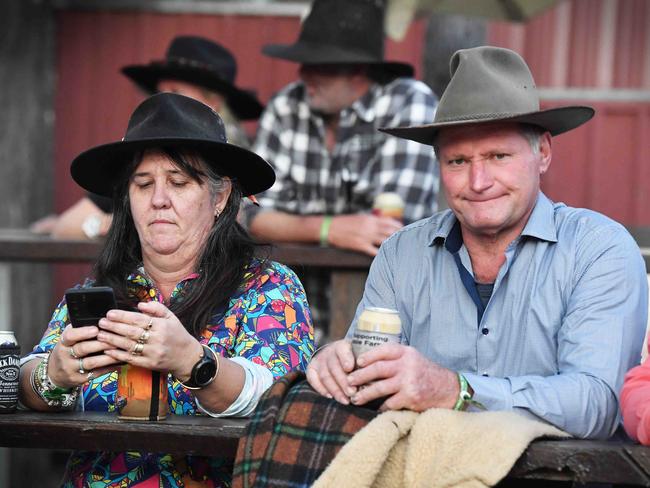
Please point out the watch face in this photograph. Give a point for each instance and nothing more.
(205, 372)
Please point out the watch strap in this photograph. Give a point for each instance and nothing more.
(208, 355)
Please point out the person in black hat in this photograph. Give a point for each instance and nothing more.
(195, 67)
(508, 300)
(320, 134)
(194, 301)
(206, 71)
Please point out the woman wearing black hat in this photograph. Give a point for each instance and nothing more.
(193, 297)
(195, 67)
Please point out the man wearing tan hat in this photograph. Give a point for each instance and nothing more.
(320, 134)
(508, 300)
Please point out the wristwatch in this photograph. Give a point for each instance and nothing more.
(204, 371)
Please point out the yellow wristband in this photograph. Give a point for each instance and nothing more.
(325, 229)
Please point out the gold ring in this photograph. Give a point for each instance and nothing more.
(137, 349)
(144, 337)
(72, 353)
(91, 375)
(150, 323)
(81, 366)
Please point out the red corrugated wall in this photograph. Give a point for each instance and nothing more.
(94, 101)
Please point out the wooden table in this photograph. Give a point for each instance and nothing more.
(617, 461)
(348, 269)
(179, 434)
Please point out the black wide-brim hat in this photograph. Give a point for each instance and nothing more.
(201, 62)
(492, 84)
(172, 120)
(341, 32)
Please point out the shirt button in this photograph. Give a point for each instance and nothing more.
(485, 331)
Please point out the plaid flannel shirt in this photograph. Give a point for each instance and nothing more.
(364, 162)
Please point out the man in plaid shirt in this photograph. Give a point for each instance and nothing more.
(320, 134)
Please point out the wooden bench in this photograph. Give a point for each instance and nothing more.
(617, 461)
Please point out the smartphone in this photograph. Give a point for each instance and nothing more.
(87, 305)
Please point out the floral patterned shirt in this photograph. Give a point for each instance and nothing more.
(268, 323)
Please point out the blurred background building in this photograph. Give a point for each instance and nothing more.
(61, 92)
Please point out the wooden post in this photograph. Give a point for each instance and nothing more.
(347, 290)
(26, 135)
(26, 168)
(445, 35)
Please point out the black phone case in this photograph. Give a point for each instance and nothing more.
(87, 305)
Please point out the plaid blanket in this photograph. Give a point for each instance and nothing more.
(293, 435)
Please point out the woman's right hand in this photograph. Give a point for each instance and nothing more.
(74, 359)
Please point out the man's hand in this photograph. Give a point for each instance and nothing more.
(401, 373)
(361, 232)
(44, 225)
(328, 370)
(358, 232)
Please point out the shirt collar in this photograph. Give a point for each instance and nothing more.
(366, 105)
(541, 225)
(141, 277)
(442, 228)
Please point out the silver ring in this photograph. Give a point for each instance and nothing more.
(81, 366)
(144, 337)
(72, 353)
(150, 323)
(137, 349)
(91, 375)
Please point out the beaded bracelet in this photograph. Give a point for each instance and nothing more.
(44, 387)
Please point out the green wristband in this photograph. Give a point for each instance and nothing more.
(465, 396)
(44, 387)
(325, 229)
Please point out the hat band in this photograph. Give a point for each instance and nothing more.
(488, 116)
(192, 63)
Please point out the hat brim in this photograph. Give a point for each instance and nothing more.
(98, 168)
(243, 103)
(555, 120)
(307, 53)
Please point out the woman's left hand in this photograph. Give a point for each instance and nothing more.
(152, 338)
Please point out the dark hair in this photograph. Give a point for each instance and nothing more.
(224, 258)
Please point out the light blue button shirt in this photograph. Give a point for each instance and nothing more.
(564, 323)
